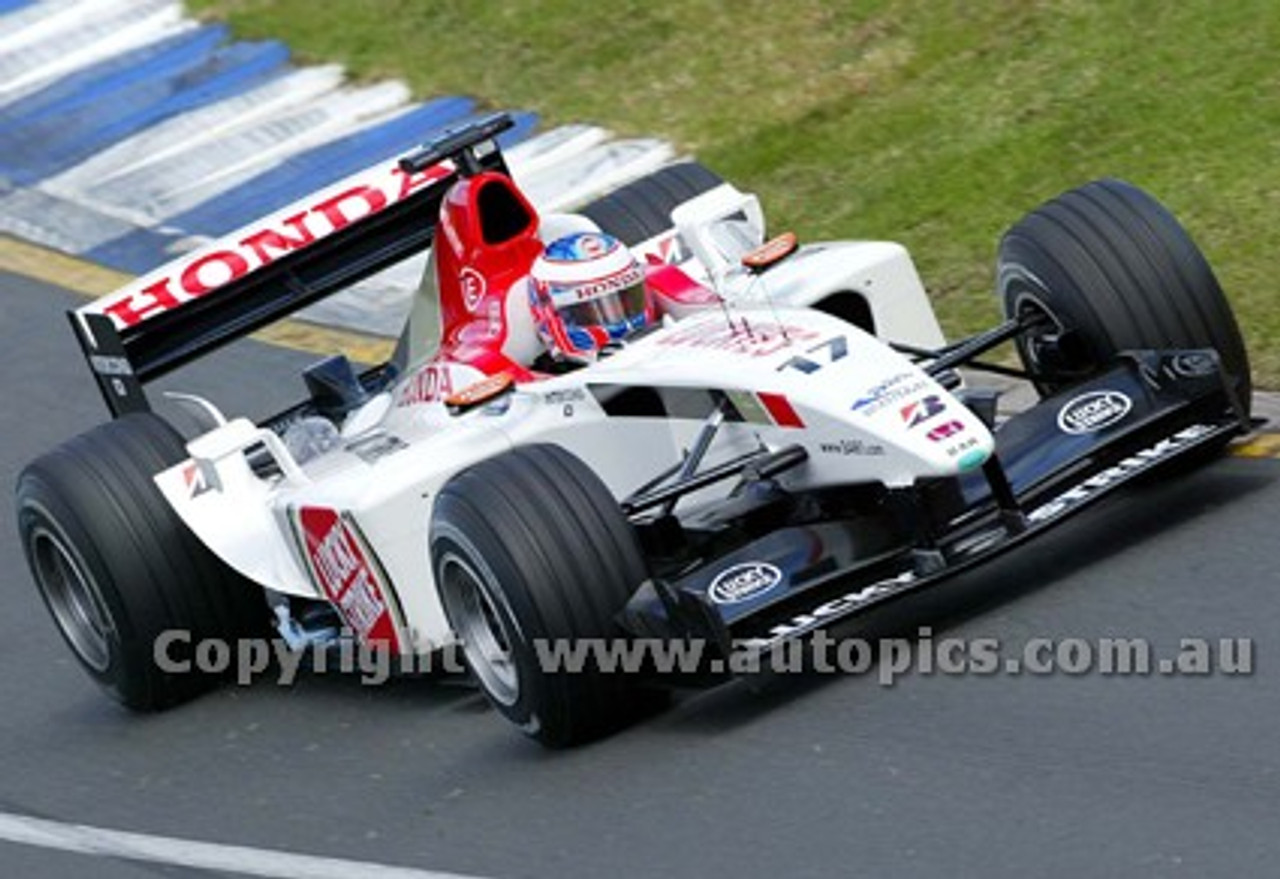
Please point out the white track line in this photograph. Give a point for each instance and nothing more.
(96, 841)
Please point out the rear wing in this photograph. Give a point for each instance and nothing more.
(276, 265)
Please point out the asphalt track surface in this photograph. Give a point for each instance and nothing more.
(812, 775)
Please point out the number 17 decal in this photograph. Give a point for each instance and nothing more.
(837, 348)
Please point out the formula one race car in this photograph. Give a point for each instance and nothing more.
(779, 441)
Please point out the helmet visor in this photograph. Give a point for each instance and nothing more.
(614, 309)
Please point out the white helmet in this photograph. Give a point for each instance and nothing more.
(586, 291)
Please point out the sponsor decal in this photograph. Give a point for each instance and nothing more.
(376, 446)
(568, 395)
(955, 450)
(346, 577)
(199, 479)
(1194, 364)
(848, 447)
(668, 249)
(895, 389)
(473, 287)
(592, 289)
(742, 582)
(1094, 411)
(566, 399)
(1136, 463)
(430, 383)
(739, 337)
(972, 460)
(920, 411)
(250, 249)
(814, 618)
(945, 431)
(105, 365)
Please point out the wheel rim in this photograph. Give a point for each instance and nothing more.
(482, 628)
(1041, 345)
(73, 598)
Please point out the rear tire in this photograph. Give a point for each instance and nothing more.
(117, 568)
(1105, 267)
(642, 209)
(530, 547)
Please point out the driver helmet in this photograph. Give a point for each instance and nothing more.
(587, 291)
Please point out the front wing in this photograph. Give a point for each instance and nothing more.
(1051, 461)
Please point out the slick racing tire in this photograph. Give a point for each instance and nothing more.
(118, 569)
(529, 549)
(1104, 268)
(642, 209)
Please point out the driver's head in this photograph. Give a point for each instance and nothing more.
(586, 291)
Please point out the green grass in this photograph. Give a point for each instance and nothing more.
(936, 123)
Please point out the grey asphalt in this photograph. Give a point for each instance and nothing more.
(813, 775)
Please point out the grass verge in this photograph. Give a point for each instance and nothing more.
(936, 124)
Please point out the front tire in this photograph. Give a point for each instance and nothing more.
(529, 548)
(1104, 268)
(117, 568)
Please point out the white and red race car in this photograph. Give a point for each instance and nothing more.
(790, 445)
